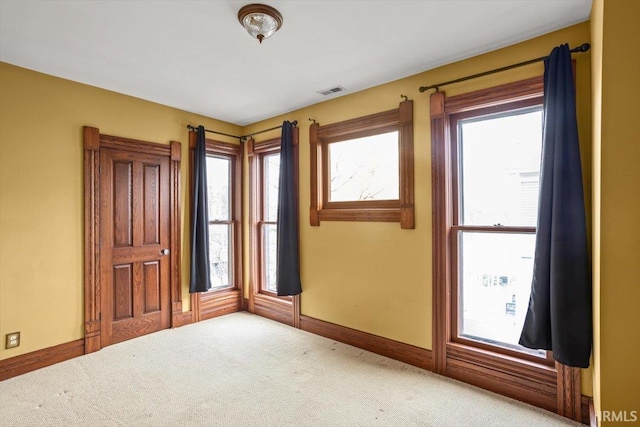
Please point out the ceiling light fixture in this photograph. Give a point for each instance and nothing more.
(260, 20)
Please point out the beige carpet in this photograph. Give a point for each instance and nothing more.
(243, 370)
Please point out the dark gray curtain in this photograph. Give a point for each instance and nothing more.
(559, 314)
(200, 280)
(288, 258)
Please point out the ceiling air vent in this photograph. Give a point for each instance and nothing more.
(332, 90)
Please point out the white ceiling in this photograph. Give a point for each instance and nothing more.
(195, 56)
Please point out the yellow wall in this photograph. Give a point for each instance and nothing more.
(376, 277)
(41, 195)
(373, 277)
(615, 27)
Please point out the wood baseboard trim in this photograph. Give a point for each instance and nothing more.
(18, 365)
(181, 319)
(588, 411)
(422, 358)
(406, 353)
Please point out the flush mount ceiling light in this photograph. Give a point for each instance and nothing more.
(260, 20)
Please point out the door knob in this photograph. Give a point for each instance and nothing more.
(164, 252)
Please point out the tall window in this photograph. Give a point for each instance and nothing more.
(224, 163)
(224, 195)
(221, 225)
(268, 223)
(264, 158)
(496, 168)
(264, 179)
(486, 155)
(362, 169)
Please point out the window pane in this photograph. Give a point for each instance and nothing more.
(364, 169)
(500, 168)
(269, 254)
(220, 255)
(218, 188)
(495, 274)
(271, 182)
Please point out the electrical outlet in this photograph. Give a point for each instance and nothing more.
(13, 340)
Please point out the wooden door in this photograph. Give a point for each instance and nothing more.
(135, 241)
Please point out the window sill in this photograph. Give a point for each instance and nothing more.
(220, 293)
(373, 215)
(273, 295)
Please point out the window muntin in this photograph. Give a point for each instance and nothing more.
(364, 168)
(221, 227)
(496, 166)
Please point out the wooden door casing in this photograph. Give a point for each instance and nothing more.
(130, 287)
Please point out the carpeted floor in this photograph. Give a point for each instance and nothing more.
(244, 370)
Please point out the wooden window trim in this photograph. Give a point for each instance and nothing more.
(285, 309)
(539, 382)
(400, 210)
(232, 152)
(220, 301)
(523, 102)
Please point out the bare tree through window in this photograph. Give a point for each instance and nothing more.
(364, 168)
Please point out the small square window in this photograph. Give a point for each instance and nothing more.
(362, 169)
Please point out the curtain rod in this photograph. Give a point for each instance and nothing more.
(193, 128)
(582, 48)
(294, 123)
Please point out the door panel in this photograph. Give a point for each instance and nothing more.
(135, 225)
(122, 291)
(123, 203)
(152, 288)
(151, 208)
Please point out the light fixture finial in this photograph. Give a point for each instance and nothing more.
(260, 21)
